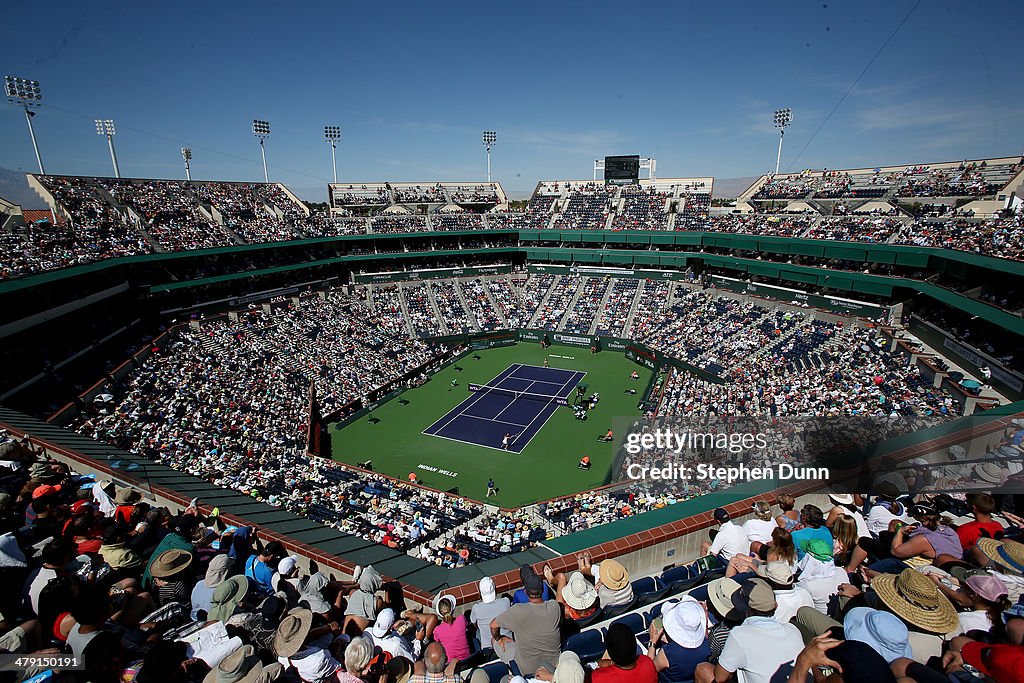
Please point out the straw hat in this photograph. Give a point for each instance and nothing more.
(579, 593)
(170, 562)
(1007, 554)
(913, 597)
(292, 632)
(614, 575)
(241, 666)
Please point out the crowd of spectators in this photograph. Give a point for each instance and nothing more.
(587, 306)
(903, 583)
(642, 209)
(614, 318)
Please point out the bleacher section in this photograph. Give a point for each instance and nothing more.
(945, 182)
(365, 199)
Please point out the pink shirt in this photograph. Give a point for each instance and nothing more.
(453, 637)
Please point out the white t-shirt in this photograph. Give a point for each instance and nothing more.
(759, 530)
(879, 518)
(35, 584)
(789, 601)
(824, 587)
(758, 647)
(730, 541)
(975, 620)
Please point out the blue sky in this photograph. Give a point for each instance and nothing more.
(412, 86)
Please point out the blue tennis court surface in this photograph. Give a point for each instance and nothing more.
(517, 402)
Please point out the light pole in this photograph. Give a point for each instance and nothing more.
(24, 93)
(783, 117)
(186, 154)
(261, 129)
(106, 127)
(332, 134)
(489, 137)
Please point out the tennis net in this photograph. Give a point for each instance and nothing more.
(524, 395)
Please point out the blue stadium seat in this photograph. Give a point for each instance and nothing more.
(649, 589)
(635, 622)
(675, 576)
(612, 612)
(495, 671)
(589, 645)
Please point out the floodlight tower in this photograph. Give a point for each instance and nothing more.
(783, 117)
(186, 154)
(24, 93)
(332, 134)
(261, 129)
(106, 127)
(489, 138)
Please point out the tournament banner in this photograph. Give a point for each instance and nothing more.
(574, 339)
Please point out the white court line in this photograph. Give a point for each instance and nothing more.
(480, 395)
(472, 443)
(581, 376)
(514, 399)
(490, 419)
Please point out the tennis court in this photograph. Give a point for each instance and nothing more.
(518, 401)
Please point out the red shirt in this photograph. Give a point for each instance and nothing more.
(643, 672)
(970, 533)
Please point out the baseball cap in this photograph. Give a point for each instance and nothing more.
(534, 585)
(287, 565)
(755, 595)
(1001, 662)
(721, 515)
(45, 490)
(987, 587)
(487, 591)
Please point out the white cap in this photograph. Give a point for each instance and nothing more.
(487, 591)
(287, 565)
(385, 620)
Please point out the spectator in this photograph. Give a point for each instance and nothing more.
(180, 538)
(681, 644)
(170, 576)
(226, 598)
(577, 595)
(488, 609)
(790, 518)
(613, 586)
(568, 670)
(759, 528)
(758, 646)
(624, 664)
(310, 658)
(362, 602)
(819, 575)
(812, 522)
(451, 631)
(260, 566)
(202, 593)
(535, 628)
(982, 507)
(435, 663)
(729, 540)
(789, 598)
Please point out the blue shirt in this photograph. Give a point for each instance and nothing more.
(520, 597)
(683, 661)
(258, 571)
(802, 536)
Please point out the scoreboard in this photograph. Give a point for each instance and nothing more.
(623, 170)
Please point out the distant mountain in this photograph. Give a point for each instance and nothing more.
(730, 188)
(14, 188)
